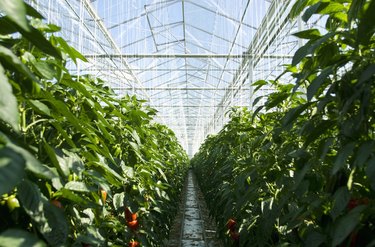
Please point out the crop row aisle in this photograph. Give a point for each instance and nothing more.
(81, 165)
(78, 165)
(300, 169)
(193, 226)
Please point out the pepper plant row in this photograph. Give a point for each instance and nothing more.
(78, 165)
(300, 170)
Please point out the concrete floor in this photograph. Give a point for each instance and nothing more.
(192, 226)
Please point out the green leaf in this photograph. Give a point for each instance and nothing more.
(317, 131)
(370, 172)
(324, 146)
(73, 53)
(101, 126)
(301, 53)
(308, 34)
(162, 174)
(314, 86)
(73, 161)
(342, 157)
(49, 219)
(56, 161)
(6, 26)
(298, 7)
(57, 183)
(342, 16)
(30, 197)
(310, 11)
(257, 100)
(77, 186)
(355, 9)
(8, 103)
(19, 238)
(14, 63)
(80, 87)
(91, 216)
(371, 244)
(314, 239)
(40, 107)
(135, 135)
(12, 167)
(30, 11)
(346, 224)
(275, 99)
(294, 113)
(340, 200)
(112, 176)
(259, 84)
(32, 164)
(331, 7)
(128, 171)
(35, 37)
(327, 55)
(44, 27)
(93, 237)
(71, 196)
(38, 39)
(300, 175)
(46, 69)
(364, 152)
(60, 108)
(309, 48)
(118, 200)
(62, 131)
(16, 11)
(367, 73)
(366, 27)
(136, 149)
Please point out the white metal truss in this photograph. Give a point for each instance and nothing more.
(191, 59)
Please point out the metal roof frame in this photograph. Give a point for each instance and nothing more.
(191, 70)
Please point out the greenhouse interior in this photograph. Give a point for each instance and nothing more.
(183, 123)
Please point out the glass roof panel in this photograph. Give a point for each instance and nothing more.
(191, 59)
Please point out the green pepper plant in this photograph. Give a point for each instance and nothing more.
(300, 169)
(79, 166)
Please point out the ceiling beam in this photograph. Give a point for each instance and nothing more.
(194, 106)
(177, 88)
(180, 55)
(235, 38)
(214, 35)
(92, 12)
(184, 116)
(271, 26)
(168, 3)
(219, 13)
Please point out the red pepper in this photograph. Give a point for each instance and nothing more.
(57, 203)
(128, 214)
(133, 224)
(354, 202)
(234, 235)
(103, 194)
(133, 244)
(231, 224)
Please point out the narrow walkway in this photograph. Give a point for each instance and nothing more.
(192, 226)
